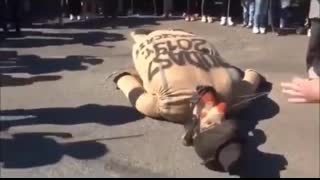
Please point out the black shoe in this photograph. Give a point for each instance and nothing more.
(301, 31)
(281, 32)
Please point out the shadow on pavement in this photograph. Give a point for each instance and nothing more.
(257, 164)
(7, 80)
(101, 23)
(11, 63)
(254, 163)
(27, 150)
(91, 113)
(33, 39)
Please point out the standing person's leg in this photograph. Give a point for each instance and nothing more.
(257, 16)
(204, 10)
(303, 16)
(62, 4)
(284, 14)
(245, 12)
(313, 54)
(114, 6)
(84, 8)
(93, 7)
(167, 7)
(70, 9)
(260, 18)
(16, 4)
(75, 9)
(263, 17)
(3, 15)
(251, 12)
(227, 9)
(210, 10)
(110, 8)
(223, 12)
(190, 10)
(78, 9)
(207, 9)
(89, 8)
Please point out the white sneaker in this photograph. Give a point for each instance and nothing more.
(71, 17)
(210, 20)
(204, 19)
(223, 21)
(309, 33)
(255, 30)
(250, 25)
(230, 22)
(262, 30)
(78, 18)
(312, 74)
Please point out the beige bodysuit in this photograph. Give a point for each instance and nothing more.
(169, 65)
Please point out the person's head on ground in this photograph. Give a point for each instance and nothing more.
(214, 137)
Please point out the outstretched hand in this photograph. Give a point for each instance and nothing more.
(302, 90)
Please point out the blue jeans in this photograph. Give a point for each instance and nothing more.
(284, 12)
(248, 11)
(261, 12)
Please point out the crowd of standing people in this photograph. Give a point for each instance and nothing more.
(256, 14)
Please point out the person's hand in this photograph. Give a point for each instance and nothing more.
(302, 90)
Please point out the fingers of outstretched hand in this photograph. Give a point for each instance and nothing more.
(292, 93)
(290, 86)
(298, 81)
(293, 90)
(297, 100)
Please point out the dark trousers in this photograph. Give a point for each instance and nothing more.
(110, 8)
(10, 12)
(224, 8)
(313, 54)
(3, 15)
(220, 8)
(207, 8)
(193, 6)
(74, 7)
(280, 13)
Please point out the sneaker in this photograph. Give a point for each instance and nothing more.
(192, 18)
(262, 30)
(249, 26)
(230, 22)
(223, 21)
(71, 17)
(210, 20)
(165, 15)
(244, 24)
(187, 18)
(281, 32)
(204, 19)
(255, 30)
(184, 15)
(301, 30)
(309, 33)
(78, 18)
(312, 74)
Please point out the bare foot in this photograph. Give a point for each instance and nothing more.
(302, 90)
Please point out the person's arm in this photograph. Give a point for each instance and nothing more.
(302, 90)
